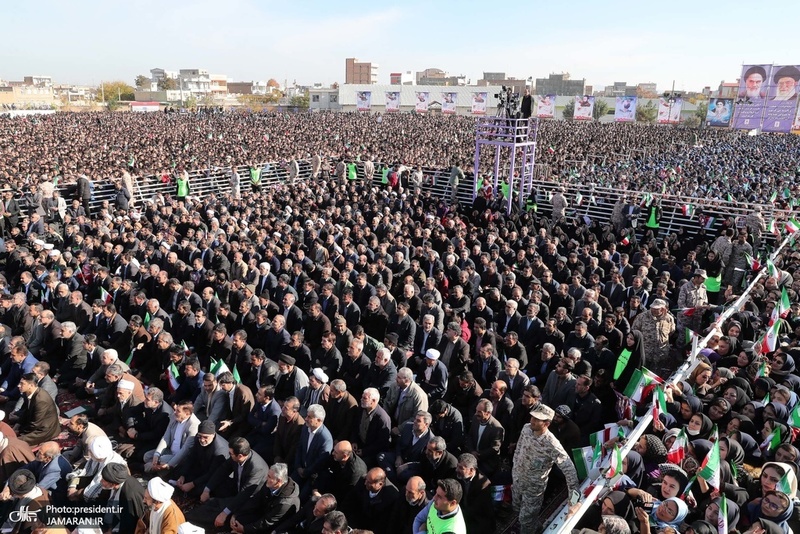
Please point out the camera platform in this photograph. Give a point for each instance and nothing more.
(513, 142)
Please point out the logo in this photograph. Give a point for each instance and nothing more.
(23, 515)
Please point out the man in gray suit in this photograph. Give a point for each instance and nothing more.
(404, 400)
(212, 403)
(180, 435)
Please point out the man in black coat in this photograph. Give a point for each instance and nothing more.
(369, 505)
(373, 429)
(478, 498)
(277, 499)
(204, 457)
(311, 517)
(127, 493)
(438, 464)
(343, 472)
(406, 509)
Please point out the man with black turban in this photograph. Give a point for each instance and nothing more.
(126, 492)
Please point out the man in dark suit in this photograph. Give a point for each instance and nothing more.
(432, 375)
(233, 484)
(372, 432)
(292, 314)
(241, 402)
(313, 450)
(208, 452)
(341, 411)
(10, 212)
(349, 309)
(427, 337)
(508, 321)
(370, 504)
(275, 501)
(38, 418)
(342, 473)
(316, 325)
(329, 302)
(115, 326)
(311, 517)
(478, 496)
(515, 379)
(263, 371)
(403, 463)
(210, 303)
(487, 368)
(438, 463)
(72, 353)
(485, 438)
(454, 350)
(406, 510)
(263, 419)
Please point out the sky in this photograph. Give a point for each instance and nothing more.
(695, 45)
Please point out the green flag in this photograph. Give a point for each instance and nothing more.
(622, 363)
(236, 377)
(709, 470)
(146, 321)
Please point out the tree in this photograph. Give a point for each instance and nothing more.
(208, 100)
(142, 82)
(115, 91)
(190, 102)
(167, 84)
(600, 108)
(569, 109)
(702, 111)
(300, 101)
(647, 112)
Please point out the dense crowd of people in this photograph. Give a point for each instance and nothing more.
(328, 354)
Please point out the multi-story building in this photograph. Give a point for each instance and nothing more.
(560, 84)
(248, 88)
(38, 81)
(401, 78)
(360, 72)
(647, 90)
(619, 89)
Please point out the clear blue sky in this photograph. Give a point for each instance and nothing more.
(696, 44)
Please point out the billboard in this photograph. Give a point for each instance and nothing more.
(584, 108)
(669, 110)
(449, 103)
(479, 103)
(752, 94)
(392, 101)
(796, 123)
(363, 100)
(545, 106)
(625, 109)
(423, 99)
(720, 111)
(781, 98)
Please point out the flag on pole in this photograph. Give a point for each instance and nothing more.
(641, 383)
(551, 150)
(105, 296)
(709, 470)
(172, 371)
(753, 263)
(677, 452)
(784, 304)
(236, 377)
(130, 358)
(186, 350)
(722, 518)
(773, 441)
(772, 270)
(602, 436)
(792, 225)
(772, 227)
(688, 210)
(769, 343)
(625, 241)
(714, 437)
(146, 321)
(615, 465)
(659, 403)
(218, 367)
(773, 197)
(586, 459)
(794, 417)
(784, 485)
(578, 198)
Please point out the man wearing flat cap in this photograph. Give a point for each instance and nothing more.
(27, 496)
(165, 516)
(126, 492)
(536, 453)
(656, 325)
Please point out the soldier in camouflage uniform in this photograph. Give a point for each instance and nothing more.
(559, 205)
(694, 297)
(536, 453)
(736, 268)
(656, 325)
(723, 245)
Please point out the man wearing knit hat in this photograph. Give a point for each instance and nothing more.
(208, 453)
(127, 493)
(165, 516)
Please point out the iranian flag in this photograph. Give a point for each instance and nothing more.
(792, 225)
(625, 241)
(688, 210)
(770, 341)
(236, 377)
(610, 431)
(172, 371)
(690, 334)
(784, 485)
(615, 465)
(642, 382)
(709, 470)
(753, 263)
(714, 437)
(773, 197)
(186, 350)
(677, 452)
(773, 441)
(105, 296)
(722, 519)
(772, 270)
(772, 227)
(578, 198)
(218, 367)
(659, 403)
(551, 150)
(783, 306)
(794, 417)
(586, 459)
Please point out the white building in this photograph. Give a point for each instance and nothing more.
(408, 97)
(323, 99)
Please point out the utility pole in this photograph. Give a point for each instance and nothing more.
(103, 91)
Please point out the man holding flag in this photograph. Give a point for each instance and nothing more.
(536, 453)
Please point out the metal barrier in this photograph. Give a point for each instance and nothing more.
(561, 520)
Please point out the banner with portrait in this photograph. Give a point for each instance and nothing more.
(781, 98)
(669, 110)
(584, 108)
(752, 94)
(625, 109)
(545, 106)
(796, 123)
(363, 100)
(720, 111)
(449, 101)
(392, 101)
(423, 99)
(479, 103)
